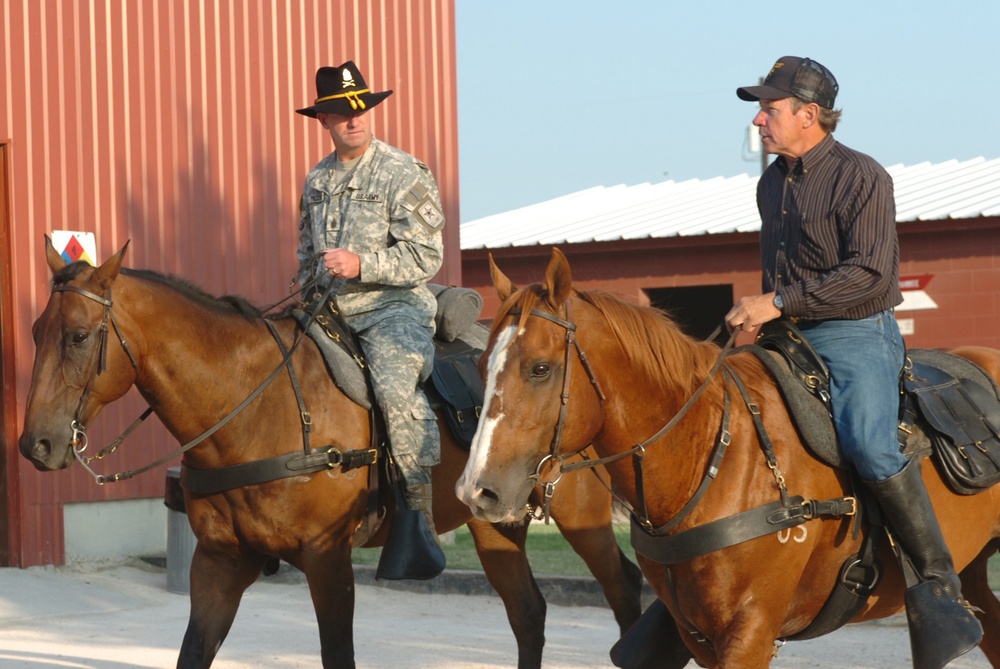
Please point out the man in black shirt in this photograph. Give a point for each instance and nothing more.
(830, 260)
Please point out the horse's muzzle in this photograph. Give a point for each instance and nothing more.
(41, 454)
(486, 504)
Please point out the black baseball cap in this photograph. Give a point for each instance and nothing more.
(792, 76)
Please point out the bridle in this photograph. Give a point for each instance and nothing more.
(555, 449)
(638, 451)
(79, 440)
(662, 544)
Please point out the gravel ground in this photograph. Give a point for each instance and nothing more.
(113, 617)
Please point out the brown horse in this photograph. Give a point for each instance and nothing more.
(591, 369)
(194, 358)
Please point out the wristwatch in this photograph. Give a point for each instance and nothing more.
(778, 302)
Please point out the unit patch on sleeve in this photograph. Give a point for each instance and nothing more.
(428, 213)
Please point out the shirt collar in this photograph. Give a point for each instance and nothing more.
(810, 159)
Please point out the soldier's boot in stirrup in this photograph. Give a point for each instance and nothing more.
(942, 624)
(412, 550)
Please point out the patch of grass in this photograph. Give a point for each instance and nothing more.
(550, 554)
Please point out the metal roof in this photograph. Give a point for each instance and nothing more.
(953, 189)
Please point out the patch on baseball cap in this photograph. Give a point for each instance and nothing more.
(792, 76)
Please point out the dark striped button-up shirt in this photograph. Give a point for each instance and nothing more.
(828, 234)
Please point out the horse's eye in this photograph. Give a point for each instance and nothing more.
(540, 370)
(78, 338)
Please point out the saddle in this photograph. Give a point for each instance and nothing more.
(950, 407)
(455, 385)
(408, 551)
(955, 402)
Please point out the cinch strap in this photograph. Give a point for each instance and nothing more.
(354, 97)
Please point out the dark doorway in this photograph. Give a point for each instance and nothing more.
(698, 310)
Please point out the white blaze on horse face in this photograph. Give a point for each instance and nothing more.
(479, 453)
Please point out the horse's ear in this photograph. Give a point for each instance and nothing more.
(501, 283)
(558, 279)
(53, 257)
(108, 270)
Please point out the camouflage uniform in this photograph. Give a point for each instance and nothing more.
(387, 211)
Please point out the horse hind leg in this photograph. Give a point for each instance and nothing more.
(976, 589)
(501, 552)
(217, 586)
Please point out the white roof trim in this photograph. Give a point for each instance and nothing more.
(952, 189)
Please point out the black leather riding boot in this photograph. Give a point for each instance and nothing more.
(942, 626)
(412, 550)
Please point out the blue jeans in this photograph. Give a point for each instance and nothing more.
(865, 358)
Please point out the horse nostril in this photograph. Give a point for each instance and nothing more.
(42, 450)
(488, 496)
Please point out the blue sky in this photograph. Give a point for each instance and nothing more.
(555, 96)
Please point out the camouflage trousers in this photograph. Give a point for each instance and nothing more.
(400, 354)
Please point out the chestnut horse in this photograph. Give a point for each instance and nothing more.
(194, 358)
(568, 368)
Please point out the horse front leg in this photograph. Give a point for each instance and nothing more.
(218, 582)
(583, 512)
(331, 585)
(619, 577)
(741, 634)
(501, 552)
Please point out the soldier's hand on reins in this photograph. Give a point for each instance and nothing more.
(343, 263)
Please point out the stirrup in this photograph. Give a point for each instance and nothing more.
(941, 628)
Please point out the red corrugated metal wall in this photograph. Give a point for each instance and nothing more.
(171, 123)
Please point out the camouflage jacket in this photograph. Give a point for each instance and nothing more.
(388, 211)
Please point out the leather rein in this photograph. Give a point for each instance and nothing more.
(787, 512)
(637, 451)
(79, 440)
(660, 545)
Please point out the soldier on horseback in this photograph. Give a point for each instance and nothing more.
(371, 217)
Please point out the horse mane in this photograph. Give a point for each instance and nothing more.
(227, 304)
(648, 336)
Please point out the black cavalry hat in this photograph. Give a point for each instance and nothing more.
(342, 90)
(791, 76)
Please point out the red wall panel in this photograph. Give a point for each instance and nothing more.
(171, 123)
